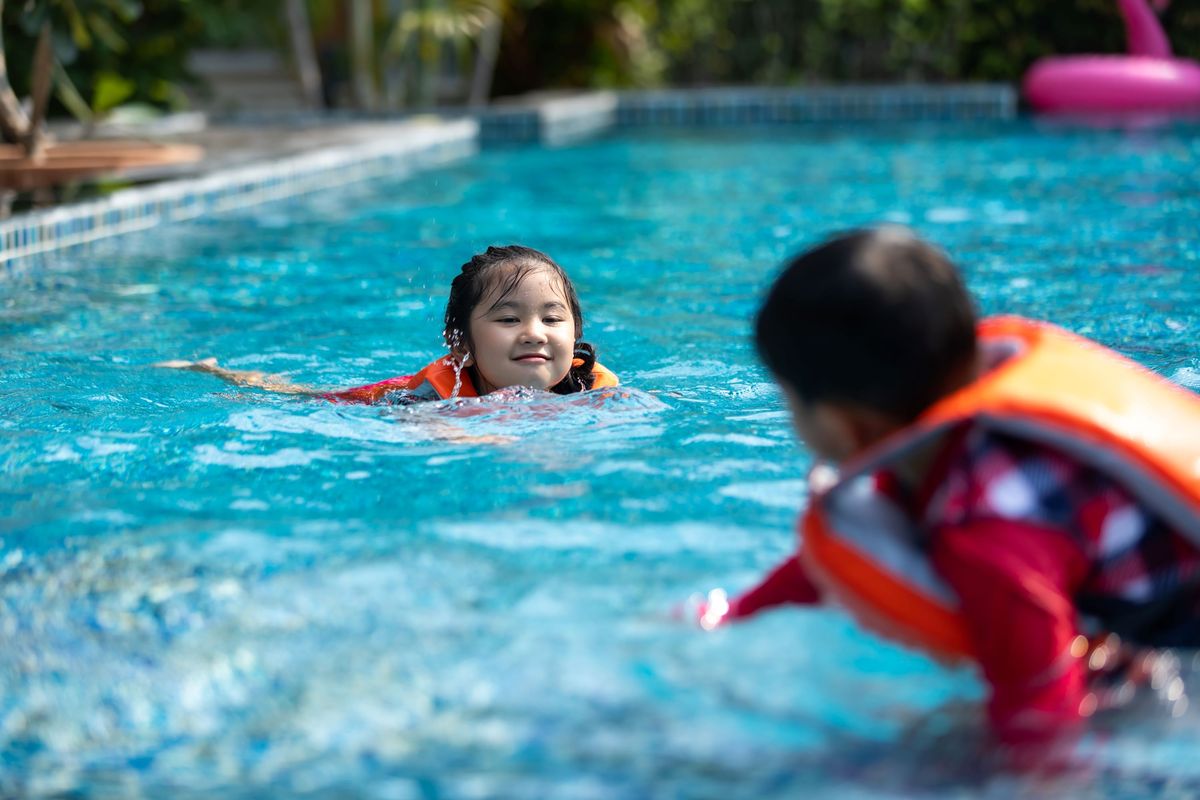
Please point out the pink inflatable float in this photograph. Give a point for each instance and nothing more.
(1149, 78)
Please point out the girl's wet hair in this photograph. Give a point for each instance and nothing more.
(496, 273)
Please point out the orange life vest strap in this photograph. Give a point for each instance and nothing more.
(602, 376)
(880, 600)
(440, 375)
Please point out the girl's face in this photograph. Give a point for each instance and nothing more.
(526, 338)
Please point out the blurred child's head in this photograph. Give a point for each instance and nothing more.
(514, 319)
(864, 332)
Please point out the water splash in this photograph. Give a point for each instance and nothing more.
(458, 368)
(455, 340)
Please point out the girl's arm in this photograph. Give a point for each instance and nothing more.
(253, 379)
(362, 394)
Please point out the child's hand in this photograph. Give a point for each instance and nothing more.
(707, 612)
(248, 378)
(714, 609)
(203, 365)
(489, 439)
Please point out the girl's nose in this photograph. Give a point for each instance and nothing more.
(533, 332)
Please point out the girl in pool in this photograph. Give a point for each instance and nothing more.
(513, 319)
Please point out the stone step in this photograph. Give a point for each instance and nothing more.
(244, 81)
(233, 63)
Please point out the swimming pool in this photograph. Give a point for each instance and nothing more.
(207, 591)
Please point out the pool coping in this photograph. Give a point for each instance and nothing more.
(421, 146)
(423, 143)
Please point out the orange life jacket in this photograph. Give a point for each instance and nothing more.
(1054, 388)
(437, 379)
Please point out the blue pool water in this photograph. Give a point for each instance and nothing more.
(218, 592)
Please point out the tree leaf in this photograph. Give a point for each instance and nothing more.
(106, 33)
(110, 90)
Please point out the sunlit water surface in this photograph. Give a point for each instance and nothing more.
(212, 591)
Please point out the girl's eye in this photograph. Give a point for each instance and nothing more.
(508, 319)
(552, 320)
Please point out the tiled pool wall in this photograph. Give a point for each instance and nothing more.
(550, 120)
(557, 120)
(831, 104)
(546, 119)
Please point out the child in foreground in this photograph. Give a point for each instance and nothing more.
(1009, 493)
(513, 319)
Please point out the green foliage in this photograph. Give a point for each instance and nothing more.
(692, 42)
(422, 37)
(120, 51)
(110, 90)
(573, 43)
(240, 23)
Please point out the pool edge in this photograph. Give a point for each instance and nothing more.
(548, 119)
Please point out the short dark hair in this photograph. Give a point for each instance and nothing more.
(875, 318)
(500, 270)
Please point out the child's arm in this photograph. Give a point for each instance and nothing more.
(361, 394)
(787, 583)
(254, 379)
(240, 377)
(1014, 582)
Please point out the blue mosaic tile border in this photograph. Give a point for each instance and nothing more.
(550, 121)
(553, 121)
(418, 147)
(510, 125)
(743, 106)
